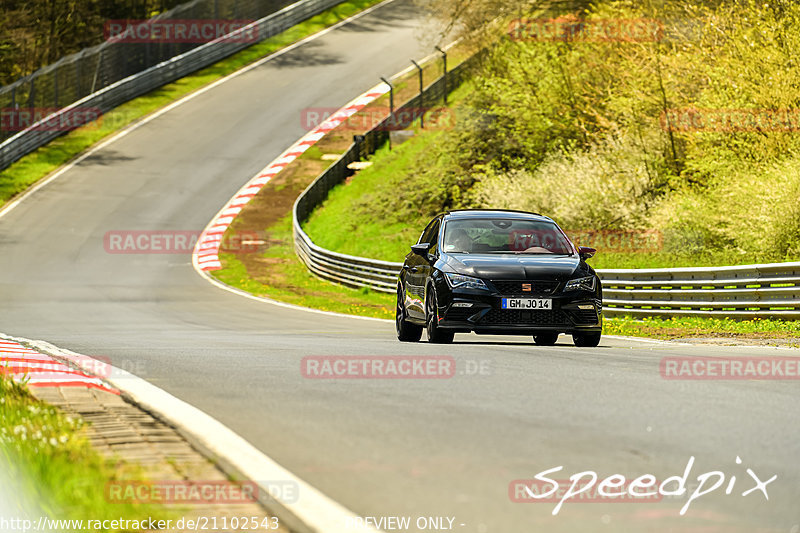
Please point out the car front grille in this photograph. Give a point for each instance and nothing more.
(523, 317)
(515, 287)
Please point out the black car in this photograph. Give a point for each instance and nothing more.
(498, 272)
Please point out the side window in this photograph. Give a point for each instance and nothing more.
(434, 239)
(430, 232)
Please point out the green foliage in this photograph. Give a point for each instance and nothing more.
(49, 455)
(583, 131)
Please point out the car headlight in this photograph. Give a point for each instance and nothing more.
(457, 281)
(580, 284)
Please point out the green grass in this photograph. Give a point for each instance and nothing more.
(38, 164)
(291, 282)
(49, 454)
(686, 327)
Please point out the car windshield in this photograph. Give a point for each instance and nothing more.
(504, 235)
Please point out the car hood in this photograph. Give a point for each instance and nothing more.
(513, 266)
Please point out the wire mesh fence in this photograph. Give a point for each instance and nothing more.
(102, 77)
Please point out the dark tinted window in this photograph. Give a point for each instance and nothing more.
(431, 233)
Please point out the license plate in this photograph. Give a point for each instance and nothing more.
(527, 303)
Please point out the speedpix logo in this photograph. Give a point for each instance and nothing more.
(581, 487)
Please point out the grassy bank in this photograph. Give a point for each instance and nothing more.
(38, 164)
(50, 457)
(695, 327)
(284, 278)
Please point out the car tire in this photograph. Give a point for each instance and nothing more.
(436, 335)
(546, 338)
(406, 332)
(586, 340)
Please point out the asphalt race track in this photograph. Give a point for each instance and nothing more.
(430, 448)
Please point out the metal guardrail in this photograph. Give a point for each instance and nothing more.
(146, 80)
(748, 291)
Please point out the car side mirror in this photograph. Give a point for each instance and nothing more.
(421, 249)
(584, 252)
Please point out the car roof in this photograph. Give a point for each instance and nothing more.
(494, 213)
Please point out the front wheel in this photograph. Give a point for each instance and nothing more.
(436, 334)
(586, 340)
(406, 332)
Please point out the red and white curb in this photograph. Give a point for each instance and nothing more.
(206, 252)
(25, 364)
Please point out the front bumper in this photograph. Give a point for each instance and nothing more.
(467, 310)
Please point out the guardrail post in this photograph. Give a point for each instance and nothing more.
(444, 75)
(32, 92)
(391, 106)
(55, 86)
(421, 95)
(358, 140)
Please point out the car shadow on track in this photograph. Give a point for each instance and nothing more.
(566, 344)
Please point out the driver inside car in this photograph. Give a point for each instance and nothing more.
(460, 241)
